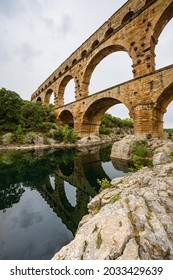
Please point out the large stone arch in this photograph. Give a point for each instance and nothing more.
(163, 20)
(47, 96)
(61, 89)
(165, 98)
(98, 57)
(66, 117)
(94, 113)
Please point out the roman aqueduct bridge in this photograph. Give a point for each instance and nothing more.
(135, 29)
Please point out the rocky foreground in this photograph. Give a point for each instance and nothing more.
(131, 220)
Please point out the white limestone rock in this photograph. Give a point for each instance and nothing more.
(131, 220)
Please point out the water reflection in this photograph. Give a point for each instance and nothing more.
(34, 183)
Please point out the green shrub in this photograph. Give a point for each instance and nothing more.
(140, 149)
(65, 134)
(141, 155)
(104, 184)
(30, 137)
(58, 135)
(46, 140)
(99, 241)
(108, 122)
(19, 135)
(10, 138)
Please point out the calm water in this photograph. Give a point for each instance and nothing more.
(43, 196)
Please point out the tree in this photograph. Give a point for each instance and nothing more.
(108, 122)
(36, 116)
(10, 105)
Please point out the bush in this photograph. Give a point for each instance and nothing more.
(104, 183)
(141, 155)
(109, 122)
(19, 135)
(30, 137)
(10, 105)
(140, 149)
(69, 136)
(65, 134)
(58, 135)
(9, 138)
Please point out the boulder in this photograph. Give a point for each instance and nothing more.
(122, 149)
(89, 140)
(131, 220)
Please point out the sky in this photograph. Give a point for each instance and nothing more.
(38, 35)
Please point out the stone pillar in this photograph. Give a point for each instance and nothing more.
(85, 129)
(83, 90)
(144, 62)
(59, 100)
(147, 119)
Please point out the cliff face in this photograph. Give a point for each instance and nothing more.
(131, 220)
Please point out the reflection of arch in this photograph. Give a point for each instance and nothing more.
(96, 60)
(67, 169)
(127, 17)
(67, 118)
(62, 87)
(161, 23)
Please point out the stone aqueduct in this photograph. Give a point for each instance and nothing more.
(135, 28)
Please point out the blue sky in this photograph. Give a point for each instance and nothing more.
(38, 35)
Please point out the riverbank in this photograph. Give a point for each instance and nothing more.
(52, 144)
(133, 219)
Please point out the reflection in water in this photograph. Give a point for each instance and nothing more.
(70, 192)
(34, 183)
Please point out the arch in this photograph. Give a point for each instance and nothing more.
(48, 97)
(96, 60)
(165, 98)
(162, 103)
(94, 113)
(66, 117)
(109, 32)
(39, 99)
(163, 50)
(127, 17)
(166, 16)
(74, 61)
(95, 44)
(83, 53)
(114, 69)
(62, 87)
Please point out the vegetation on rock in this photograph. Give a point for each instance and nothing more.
(141, 155)
(104, 183)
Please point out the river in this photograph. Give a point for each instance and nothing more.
(44, 194)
